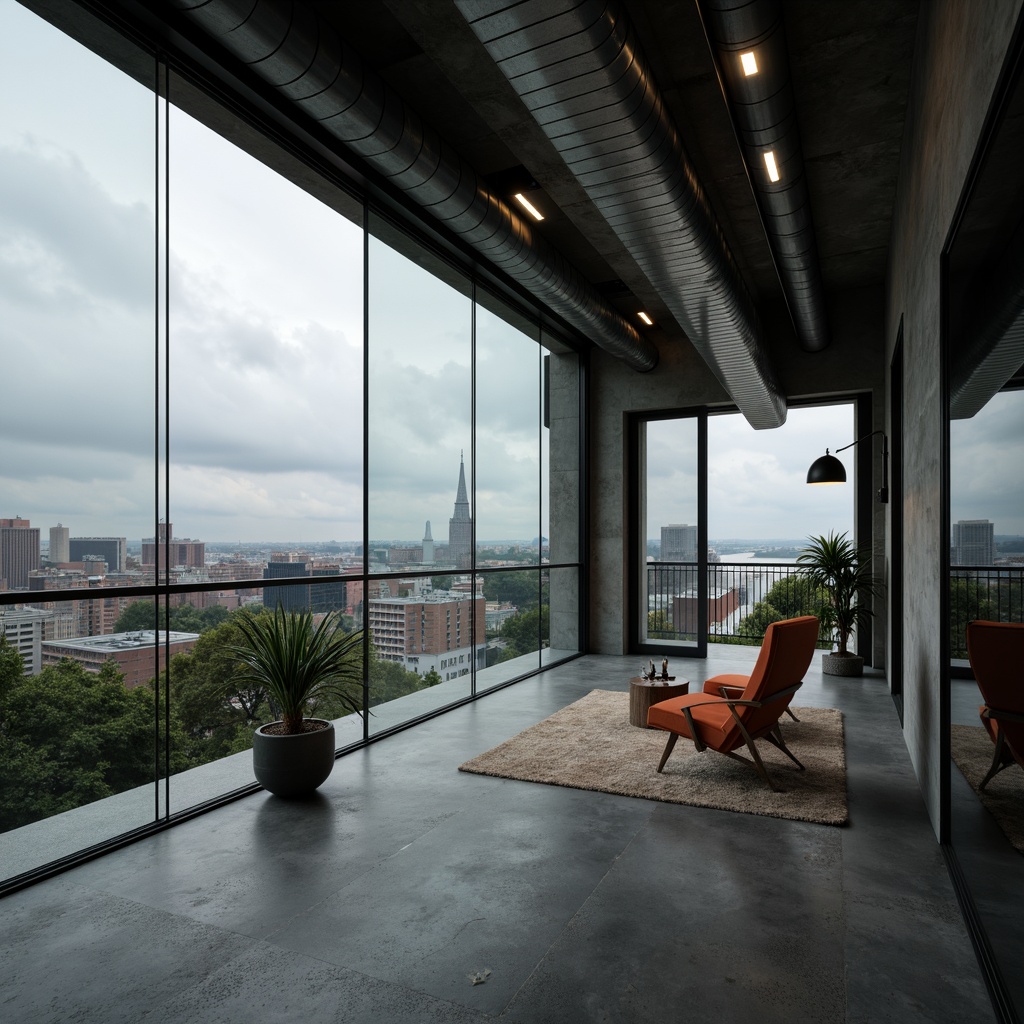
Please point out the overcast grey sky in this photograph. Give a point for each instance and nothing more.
(266, 358)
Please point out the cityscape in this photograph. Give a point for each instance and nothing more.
(435, 622)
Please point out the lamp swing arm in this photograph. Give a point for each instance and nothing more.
(828, 469)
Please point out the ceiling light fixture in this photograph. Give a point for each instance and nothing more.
(769, 162)
(646, 319)
(528, 206)
(749, 62)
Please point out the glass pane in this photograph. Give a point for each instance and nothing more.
(213, 711)
(77, 329)
(761, 512)
(515, 620)
(266, 358)
(669, 545)
(507, 437)
(427, 637)
(562, 615)
(420, 437)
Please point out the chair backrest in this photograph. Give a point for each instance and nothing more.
(785, 656)
(996, 650)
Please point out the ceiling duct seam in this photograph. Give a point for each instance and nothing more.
(649, 172)
(359, 99)
(763, 111)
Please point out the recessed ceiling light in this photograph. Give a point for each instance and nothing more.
(646, 319)
(749, 62)
(769, 162)
(528, 206)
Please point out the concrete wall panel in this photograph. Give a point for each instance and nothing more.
(959, 53)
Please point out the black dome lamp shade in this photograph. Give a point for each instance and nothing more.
(826, 470)
(829, 470)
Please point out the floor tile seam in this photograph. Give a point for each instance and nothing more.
(576, 913)
(376, 865)
(940, 905)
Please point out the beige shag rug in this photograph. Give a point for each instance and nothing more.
(1003, 797)
(591, 745)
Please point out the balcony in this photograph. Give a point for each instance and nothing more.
(378, 899)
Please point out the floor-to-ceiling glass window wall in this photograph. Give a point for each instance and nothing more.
(225, 398)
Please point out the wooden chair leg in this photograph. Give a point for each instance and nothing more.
(1000, 759)
(776, 740)
(791, 715)
(672, 737)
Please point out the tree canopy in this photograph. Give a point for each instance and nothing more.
(185, 618)
(69, 737)
(789, 597)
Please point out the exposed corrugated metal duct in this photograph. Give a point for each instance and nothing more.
(764, 114)
(292, 48)
(577, 66)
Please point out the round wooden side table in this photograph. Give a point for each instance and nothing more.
(645, 692)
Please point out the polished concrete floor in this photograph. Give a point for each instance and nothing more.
(381, 898)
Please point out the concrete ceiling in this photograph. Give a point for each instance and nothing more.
(850, 62)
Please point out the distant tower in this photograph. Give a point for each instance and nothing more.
(974, 542)
(679, 543)
(428, 546)
(59, 549)
(460, 526)
(19, 551)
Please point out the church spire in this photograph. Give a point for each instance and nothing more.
(461, 500)
(460, 526)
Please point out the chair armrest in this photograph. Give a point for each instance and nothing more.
(1002, 716)
(723, 689)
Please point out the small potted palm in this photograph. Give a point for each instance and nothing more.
(302, 668)
(843, 573)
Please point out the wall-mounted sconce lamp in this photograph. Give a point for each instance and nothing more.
(829, 470)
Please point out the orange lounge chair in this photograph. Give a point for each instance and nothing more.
(996, 651)
(735, 710)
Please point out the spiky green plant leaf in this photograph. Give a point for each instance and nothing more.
(299, 664)
(836, 565)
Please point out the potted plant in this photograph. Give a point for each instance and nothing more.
(300, 667)
(834, 564)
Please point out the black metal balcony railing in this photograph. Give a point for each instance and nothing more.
(743, 597)
(991, 592)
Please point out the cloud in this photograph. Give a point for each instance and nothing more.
(66, 239)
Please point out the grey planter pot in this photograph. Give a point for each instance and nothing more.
(293, 765)
(842, 664)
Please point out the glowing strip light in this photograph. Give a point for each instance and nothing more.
(749, 63)
(769, 162)
(528, 206)
(646, 319)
